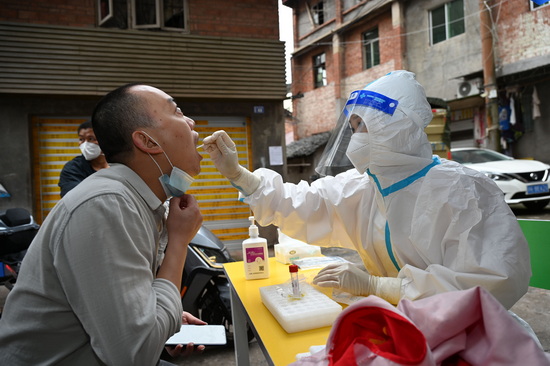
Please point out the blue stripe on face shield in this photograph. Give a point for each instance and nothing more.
(373, 100)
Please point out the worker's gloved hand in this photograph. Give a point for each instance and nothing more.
(223, 153)
(349, 278)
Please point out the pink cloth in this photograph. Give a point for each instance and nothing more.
(454, 328)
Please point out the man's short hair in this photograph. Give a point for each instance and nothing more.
(84, 126)
(117, 115)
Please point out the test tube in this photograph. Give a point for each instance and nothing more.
(293, 269)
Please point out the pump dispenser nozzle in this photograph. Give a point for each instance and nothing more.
(253, 229)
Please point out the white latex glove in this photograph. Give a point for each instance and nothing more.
(349, 278)
(223, 153)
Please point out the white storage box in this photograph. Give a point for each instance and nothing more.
(290, 249)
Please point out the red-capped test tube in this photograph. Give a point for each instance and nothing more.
(293, 269)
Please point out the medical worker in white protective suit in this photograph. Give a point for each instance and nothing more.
(421, 224)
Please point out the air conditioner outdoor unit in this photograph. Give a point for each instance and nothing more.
(469, 87)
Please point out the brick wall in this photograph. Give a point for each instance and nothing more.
(54, 12)
(390, 41)
(302, 69)
(316, 112)
(361, 79)
(391, 46)
(522, 33)
(244, 18)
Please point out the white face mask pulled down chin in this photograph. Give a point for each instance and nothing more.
(89, 150)
(358, 151)
(175, 184)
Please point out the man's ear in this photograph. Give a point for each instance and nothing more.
(145, 143)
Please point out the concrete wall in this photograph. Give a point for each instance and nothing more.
(306, 31)
(438, 66)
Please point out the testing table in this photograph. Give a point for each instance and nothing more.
(278, 346)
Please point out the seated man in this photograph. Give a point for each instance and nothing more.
(90, 290)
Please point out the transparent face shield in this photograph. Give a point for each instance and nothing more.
(354, 118)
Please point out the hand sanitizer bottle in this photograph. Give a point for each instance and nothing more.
(255, 254)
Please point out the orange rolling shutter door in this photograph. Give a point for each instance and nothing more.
(223, 214)
(56, 142)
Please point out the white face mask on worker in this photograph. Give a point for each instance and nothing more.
(358, 151)
(90, 150)
(175, 184)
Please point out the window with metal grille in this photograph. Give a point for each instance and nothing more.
(371, 48)
(319, 70)
(447, 21)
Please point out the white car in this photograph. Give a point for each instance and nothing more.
(522, 181)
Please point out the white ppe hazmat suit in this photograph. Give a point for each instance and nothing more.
(432, 223)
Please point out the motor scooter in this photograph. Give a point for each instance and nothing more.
(17, 230)
(205, 288)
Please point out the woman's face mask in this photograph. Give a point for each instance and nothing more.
(358, 151)
(90, 150)
(175, 184)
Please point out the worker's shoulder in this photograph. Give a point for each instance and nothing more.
(449, 168)
(455, 176)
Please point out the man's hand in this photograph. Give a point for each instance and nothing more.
(183, 222)
(223, 153)
(184, 219)
(189, 349)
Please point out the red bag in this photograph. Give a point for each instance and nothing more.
(458, 328)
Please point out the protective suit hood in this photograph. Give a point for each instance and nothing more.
(398, 146)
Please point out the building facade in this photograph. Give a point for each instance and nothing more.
(223, 64)
(342, 45)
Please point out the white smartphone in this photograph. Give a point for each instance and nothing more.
(207, 335)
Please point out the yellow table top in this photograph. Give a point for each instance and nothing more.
(281, 346)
